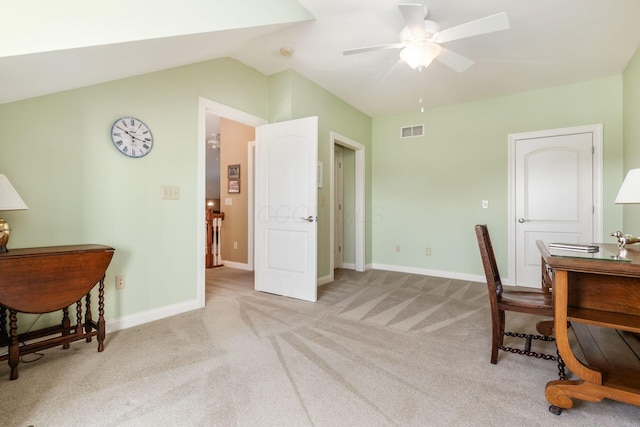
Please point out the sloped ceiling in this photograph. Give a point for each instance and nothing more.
(549, 43)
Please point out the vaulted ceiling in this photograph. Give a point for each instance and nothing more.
(72, 43)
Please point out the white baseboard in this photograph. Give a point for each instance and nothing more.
(435, 273)
(238, 265)
(325, 279)
(150, 315)
(348, 266)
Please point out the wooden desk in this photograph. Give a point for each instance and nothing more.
(47, 279)
(599, 294)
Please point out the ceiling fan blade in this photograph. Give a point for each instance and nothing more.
(454, 60)
(372, 48)
(488, 24)
(398, 62)
(414, 16)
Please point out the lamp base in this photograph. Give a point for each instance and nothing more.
(5, 230)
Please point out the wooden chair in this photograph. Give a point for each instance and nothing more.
(531, 302)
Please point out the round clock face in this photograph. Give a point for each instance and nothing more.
(131, 137)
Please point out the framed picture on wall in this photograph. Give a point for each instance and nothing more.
(233, 186)
(234, 172)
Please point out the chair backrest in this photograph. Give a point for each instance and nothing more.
(489, 263)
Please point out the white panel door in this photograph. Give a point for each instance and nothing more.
(554, 197)
(286, 208)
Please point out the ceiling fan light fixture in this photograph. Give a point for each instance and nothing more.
(420, 54)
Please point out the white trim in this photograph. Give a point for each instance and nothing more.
(434, 273)
(151, 315)
(598, 172)
(348, 266)
(251, 146)
(206, 105)
(238, 265)
(337, 139)
(325, 279)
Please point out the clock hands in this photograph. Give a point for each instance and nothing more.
(129, 133)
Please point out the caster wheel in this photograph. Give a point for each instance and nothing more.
(555, 410)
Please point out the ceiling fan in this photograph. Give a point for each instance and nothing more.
(420, 40)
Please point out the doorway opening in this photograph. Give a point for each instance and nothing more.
(353, 215)
(208, 108)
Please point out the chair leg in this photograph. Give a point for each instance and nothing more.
(497, 335)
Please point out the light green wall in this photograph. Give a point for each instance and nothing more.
(427, 191)
(632, 136)
(299, 97)
(57, 152)
(423, 192)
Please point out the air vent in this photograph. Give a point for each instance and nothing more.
(411, 131)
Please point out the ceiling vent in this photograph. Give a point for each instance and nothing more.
(411, 131)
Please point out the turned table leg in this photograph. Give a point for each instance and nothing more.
(66, 325)
(14, 350)
(87, 317)
(101, 324)
(4, 338)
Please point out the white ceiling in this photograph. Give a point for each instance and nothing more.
(550, 43)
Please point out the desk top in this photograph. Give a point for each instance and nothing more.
(41, 280)
(53, 250)
(608, 260)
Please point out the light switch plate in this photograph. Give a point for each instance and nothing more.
(170, 192)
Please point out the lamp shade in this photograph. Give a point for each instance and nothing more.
(630, 189)
(9, 198)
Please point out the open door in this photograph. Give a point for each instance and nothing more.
(286, 208)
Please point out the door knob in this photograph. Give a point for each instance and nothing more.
(521, 220)
(310, 218)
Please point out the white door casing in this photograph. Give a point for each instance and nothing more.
(338, 211)
(555, 195)
(360, 208)
(286, 159)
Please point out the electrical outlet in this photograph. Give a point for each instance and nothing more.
(397, 248)
(427, 251)
(235, 245)
(485, 204)
(120, 281)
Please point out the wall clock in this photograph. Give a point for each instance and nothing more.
(131, 137)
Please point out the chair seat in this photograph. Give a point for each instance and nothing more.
(528, 300)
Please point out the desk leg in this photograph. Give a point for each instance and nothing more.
(101, 325)
(14, 350)
(560, 392)
(87, 317)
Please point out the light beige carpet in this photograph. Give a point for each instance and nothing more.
(378, 349)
